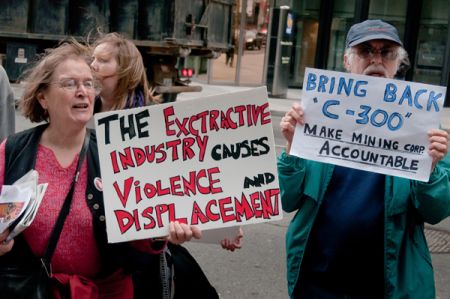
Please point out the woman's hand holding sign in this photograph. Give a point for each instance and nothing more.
(181, 232)
(289, 121)
(438, 147)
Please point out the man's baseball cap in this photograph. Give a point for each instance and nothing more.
(370, 30)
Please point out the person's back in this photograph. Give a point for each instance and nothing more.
(7, 106)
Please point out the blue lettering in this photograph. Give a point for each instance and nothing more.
(389, 92)
(364, 114)
(416, 98)
(406, 95)
(382, 121)
(322, 81)
(311, 84)
(399, 123)
(325, 109)
(332, 85)
(346, 87)
(432, 101)
(363, 91)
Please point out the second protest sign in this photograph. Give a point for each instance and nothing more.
(369, 123)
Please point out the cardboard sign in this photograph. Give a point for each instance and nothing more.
(208, 162)
(368, 123)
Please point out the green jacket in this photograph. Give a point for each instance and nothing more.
(408, 204)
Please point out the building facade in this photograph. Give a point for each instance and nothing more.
(320, 29)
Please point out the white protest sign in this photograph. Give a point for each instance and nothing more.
(368, 123)
(209, 162)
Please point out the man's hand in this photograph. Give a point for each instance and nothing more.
(289, 122)
(438, 145)
(181, 232)
(5, 247)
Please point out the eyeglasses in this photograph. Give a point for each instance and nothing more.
(71, 84)
(387, 54)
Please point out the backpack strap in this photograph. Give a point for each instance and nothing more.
(57, 229)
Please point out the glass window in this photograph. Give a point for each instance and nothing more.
(343, 16)
(391, 11)
(249, 39)
(431, 42)
(253, 47)
(222, 70)
(305, 39)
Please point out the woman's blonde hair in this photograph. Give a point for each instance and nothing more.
(38, 77)
(131, 71)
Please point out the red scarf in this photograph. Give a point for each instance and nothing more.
(116, 286)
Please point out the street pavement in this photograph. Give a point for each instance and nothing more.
(258, 269)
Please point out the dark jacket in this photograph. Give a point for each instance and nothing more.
(190, 281)
(20, 157)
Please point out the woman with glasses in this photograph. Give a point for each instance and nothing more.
(60, 92)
